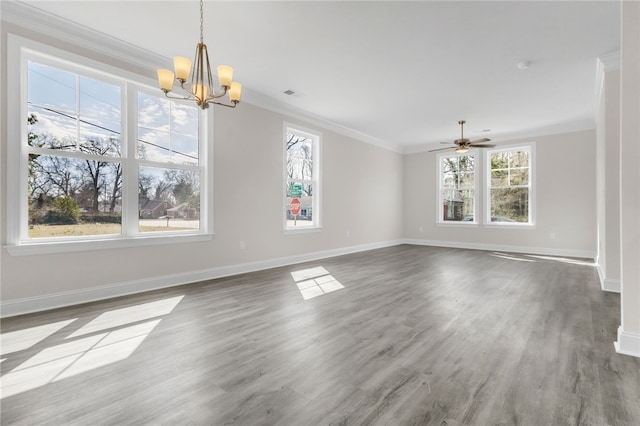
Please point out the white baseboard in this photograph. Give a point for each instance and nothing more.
(583, 254)
(57, 300)
(608, 284)
(628, 343)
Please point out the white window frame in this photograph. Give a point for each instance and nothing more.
(531, 147)
(20, 51)
(316, 138)
(476, 184)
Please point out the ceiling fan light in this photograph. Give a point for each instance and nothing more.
(462, 149)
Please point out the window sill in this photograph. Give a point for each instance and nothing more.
(291, 231)
(508, 225)
(460, 224)
(29, 249)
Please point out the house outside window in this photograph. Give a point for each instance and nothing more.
(302, 178)
(99, 156)
(510, 195)
(457, 188)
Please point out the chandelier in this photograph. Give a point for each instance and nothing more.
(200, 87)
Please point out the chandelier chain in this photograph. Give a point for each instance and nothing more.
(201, 22)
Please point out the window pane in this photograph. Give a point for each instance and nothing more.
(304, 217)
(499, 160)
(458, 205)
(519, 159)
(51, 130)
(467, 180)
(184, 119)
(449, 165)
(153, 112)
(499, 177)
(466, 163)
(168, 131)
(168, 199)
(98, 140)
(299, 157)
(154, 146)
(52, 88)
(519, 177)
(184, 149)
(72, 197)
(449, 180)
(99, 101)
(510, 205)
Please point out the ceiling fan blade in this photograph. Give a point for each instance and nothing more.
(449, 143)
(443, 149)
(475, 145)
(480, 140)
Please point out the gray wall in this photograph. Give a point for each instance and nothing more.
(565, 201)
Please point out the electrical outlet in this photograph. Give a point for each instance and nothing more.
(242, 245)
(348, 234)
(421, 229)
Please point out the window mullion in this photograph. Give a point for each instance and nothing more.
(129, 163)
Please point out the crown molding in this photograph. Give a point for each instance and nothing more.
(32, 19)
(605, 63)
(610, 61)
(271, 104)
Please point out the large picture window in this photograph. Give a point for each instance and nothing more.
(509, 185)
(457, 195)
(101, 156)
(302, 185)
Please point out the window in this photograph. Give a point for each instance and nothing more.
(103, 157)
(457, 188)
(509, 185)
(74, 153)
(301, 185)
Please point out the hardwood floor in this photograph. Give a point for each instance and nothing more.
(405, 335)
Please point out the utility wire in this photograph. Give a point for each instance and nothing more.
(108, 129)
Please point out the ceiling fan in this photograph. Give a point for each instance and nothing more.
(462, 145)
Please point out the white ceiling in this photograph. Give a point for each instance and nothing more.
(397, 73)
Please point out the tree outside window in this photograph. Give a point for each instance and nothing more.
(509, 183)
(457, 188)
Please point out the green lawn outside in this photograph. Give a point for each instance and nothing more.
(48, 231)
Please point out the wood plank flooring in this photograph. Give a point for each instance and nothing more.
(405, 335)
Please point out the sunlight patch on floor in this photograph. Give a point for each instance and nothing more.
(111, 337)
(314, 282)
(75, 357)
(20, 340)
(129, 315)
